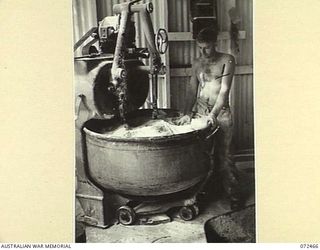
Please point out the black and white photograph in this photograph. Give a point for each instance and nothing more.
(159, 121)
(164, 121)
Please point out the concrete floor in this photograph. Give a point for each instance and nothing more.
(199, 230)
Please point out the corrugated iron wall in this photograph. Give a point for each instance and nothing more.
(84, 18)
(243, 87)
(181, 53)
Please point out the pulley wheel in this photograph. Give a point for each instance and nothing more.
(126, 215)
(188, 213)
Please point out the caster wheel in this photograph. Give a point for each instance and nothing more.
(126, 215)
(196, 209)
(189, 212)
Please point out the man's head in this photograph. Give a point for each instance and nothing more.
(206, 41)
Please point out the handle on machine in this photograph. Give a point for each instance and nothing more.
(162, 41)
(212, 133)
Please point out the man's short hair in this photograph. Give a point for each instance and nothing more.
(207, 35)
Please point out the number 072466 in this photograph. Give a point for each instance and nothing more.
(309, 246)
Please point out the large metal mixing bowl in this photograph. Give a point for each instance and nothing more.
(149, 166)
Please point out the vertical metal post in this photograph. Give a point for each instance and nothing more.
(165, 86)
(154, 95)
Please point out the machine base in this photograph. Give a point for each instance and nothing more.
(174, 232)
(104, 209)
(139, 213)
(199, 230)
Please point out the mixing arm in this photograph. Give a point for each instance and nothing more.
(118, 70)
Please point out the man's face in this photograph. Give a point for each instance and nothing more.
(206, 49)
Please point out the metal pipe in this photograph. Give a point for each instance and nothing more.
(117, 70)
(154, 95)
(148, 7)
(132, 8)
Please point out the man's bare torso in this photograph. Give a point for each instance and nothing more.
(209, 74)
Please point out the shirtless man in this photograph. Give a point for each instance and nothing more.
(208, 94)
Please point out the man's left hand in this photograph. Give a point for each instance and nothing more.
(212, 120)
